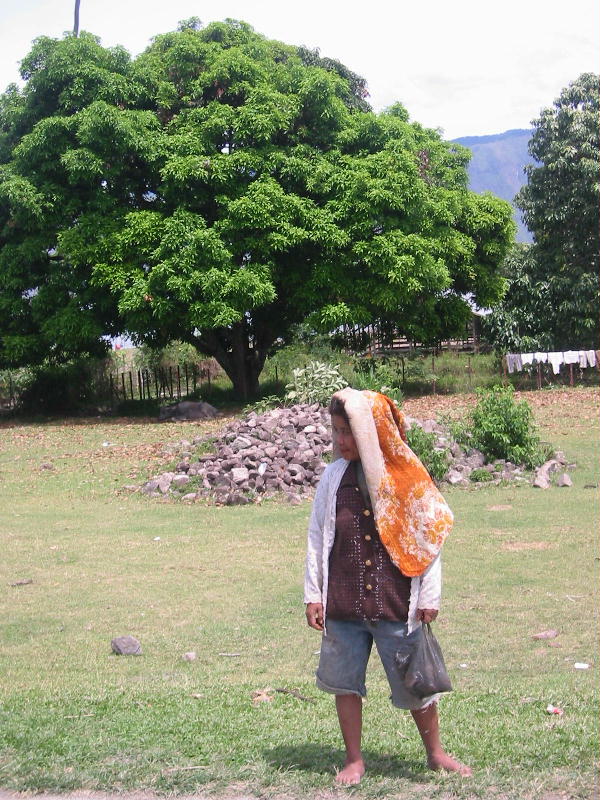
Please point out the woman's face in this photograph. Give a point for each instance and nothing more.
(343, 438)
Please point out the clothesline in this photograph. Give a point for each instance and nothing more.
(517, 362)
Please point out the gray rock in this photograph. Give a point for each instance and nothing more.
(240, 443)
(187, 410)
(150, 487)
(456, 450)
(239, 474)
(564, 480)
(454, 477)
(476, 459)
(165, 481)
(126, 646)
(179, 481)
(189, 498)
(541, 482)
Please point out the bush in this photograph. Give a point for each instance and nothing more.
(72, 388)
(379, 375)
(315, 383)
(481, 475)
(501, 427)
(264, 404)
(423, 446)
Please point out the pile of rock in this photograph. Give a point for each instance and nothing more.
(280, 451)
(283, 452)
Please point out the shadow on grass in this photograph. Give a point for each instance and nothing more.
(315, 758)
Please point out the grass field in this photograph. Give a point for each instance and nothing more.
(226, 583)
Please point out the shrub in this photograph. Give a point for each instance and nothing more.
(71, 388)
(501, 427)
(423, 446)
(481, 475)
(315, 383)
(379, 376)
(264, 404)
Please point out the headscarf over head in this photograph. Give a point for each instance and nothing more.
(412, 517)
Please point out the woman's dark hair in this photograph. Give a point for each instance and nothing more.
(337, 407)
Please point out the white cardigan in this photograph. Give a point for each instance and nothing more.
(425, 590)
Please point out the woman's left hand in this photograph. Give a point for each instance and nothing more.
(426, 614)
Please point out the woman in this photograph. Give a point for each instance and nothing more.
(373, 569)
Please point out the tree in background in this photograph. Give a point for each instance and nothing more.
(517, 324)
(560, 206)
(219, 189)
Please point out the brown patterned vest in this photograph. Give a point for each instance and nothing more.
(363, 581)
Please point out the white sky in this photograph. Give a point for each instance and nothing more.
(469, 67)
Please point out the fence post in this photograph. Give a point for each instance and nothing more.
(131, 383)
(187, 385)
(178, 383)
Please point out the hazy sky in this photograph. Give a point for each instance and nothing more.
(469, 67)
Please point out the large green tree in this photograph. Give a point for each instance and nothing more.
(560, 206)
(218, 189)
(518, 324)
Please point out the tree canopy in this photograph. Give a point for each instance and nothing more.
(560, 206)
(218, 189)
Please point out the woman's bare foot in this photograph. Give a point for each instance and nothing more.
(351, 773)
(446, 762)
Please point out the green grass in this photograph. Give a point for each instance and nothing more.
(228, 580)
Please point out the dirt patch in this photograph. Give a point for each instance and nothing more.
(499, 508)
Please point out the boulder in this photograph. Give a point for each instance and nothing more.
(126, 646)
(564, 480)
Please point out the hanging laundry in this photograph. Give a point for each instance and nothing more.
(571, 357)
(513, 362)
(583, 362)
(541, 358)
(591, 358)
(526, 358)
(556, 359)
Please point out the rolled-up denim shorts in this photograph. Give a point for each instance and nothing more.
(345, 650)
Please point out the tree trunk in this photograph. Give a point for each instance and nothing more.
(241, 354)
(76, 19)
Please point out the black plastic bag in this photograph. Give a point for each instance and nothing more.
(422, 668)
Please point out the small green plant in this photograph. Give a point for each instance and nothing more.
(423, 446)
(501, 427)
(315, 383)
(264, 404)
(394, 393)
(481, 475)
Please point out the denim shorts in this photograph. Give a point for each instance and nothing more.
(345, 650)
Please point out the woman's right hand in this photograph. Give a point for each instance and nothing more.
(314, 615)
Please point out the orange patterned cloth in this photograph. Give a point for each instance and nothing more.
(412, 517)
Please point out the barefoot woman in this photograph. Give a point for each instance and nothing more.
(373, 569)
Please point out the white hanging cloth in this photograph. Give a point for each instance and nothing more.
(556, 359)
(571, 357)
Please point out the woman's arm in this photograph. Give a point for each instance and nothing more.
(313, 575)
(430, 591)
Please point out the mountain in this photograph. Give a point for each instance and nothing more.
(497, 166)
